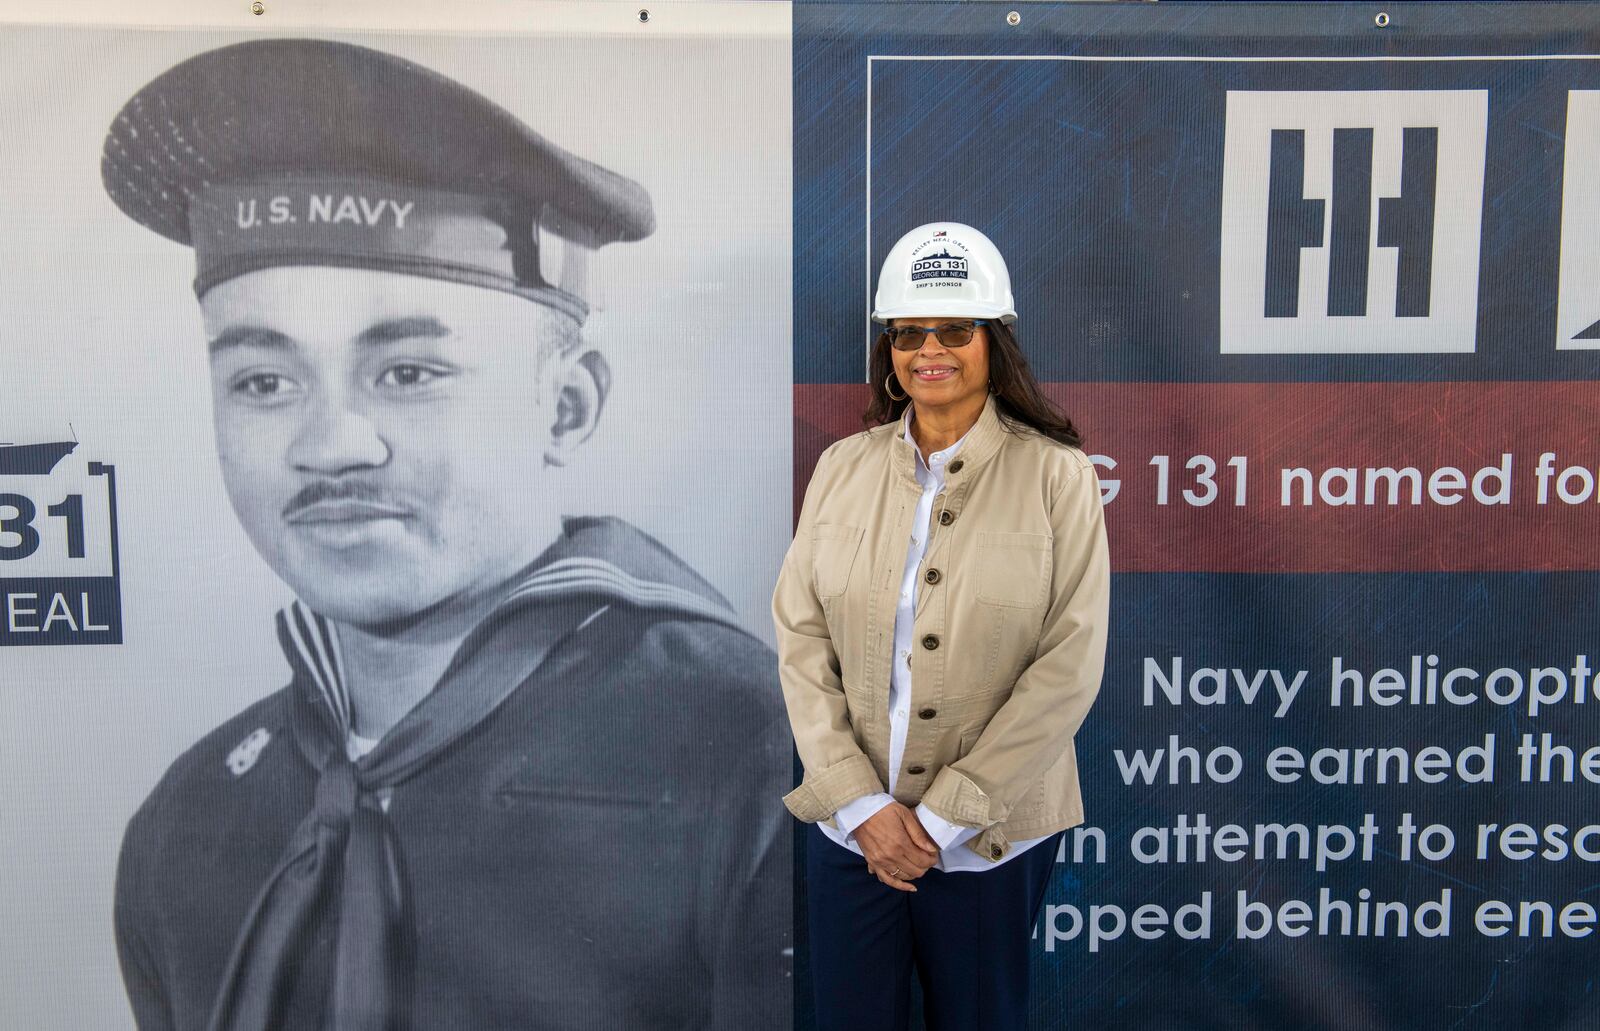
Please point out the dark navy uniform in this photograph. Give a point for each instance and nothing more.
(601, 852)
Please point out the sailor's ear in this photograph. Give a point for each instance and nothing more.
(586, 383)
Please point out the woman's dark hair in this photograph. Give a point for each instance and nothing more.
(1017, 395)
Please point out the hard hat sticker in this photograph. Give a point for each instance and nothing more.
(943, 265)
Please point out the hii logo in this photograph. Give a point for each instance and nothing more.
(1404, 222)
(1350, 221)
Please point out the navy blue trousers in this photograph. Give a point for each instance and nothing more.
(967, 935)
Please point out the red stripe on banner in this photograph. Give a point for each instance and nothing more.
(1455, 436)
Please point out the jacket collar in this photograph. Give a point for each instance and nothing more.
(977, 447)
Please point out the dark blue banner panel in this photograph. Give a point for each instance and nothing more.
(1319, 288)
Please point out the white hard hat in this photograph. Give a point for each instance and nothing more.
(944, 268)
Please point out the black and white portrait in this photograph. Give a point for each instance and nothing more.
(446, 380)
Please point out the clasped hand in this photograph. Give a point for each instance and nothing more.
(897, 849)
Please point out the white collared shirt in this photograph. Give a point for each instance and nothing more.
(948, 836)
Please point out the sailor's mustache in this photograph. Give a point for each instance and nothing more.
(343, 490)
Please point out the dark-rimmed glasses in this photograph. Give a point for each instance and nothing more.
(950, 334)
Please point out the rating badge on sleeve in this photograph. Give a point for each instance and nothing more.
(59, 577)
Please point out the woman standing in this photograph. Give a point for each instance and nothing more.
(941, 621)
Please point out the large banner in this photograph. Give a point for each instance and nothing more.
(1319, 283)
(384, 633)
(403, 407)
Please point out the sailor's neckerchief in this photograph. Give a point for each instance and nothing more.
(343, 855)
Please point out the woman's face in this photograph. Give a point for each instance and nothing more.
(937, 376)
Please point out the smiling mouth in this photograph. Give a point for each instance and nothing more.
(344, 511)
(934, 372)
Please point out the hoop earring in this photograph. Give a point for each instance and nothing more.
(889, 389)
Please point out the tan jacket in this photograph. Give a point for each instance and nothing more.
(1010, 629)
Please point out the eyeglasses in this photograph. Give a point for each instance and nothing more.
(950, 334)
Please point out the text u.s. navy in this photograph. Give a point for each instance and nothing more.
(325, 207)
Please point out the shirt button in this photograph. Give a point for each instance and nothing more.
(915, 543)
(955, 466)
(931, 642)
(946, 517)
(932, 576)
(916, 771)
(927, 714)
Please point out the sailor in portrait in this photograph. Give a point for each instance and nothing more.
(521, 775)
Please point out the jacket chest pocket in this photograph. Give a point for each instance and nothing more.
(1013, 568)
(833, 553)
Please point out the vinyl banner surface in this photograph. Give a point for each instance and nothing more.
(1319, 288)
(383, 621)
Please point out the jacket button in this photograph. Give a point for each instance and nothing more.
(955, 466)
(931, 642)
(932, 576)
(916, 771)
(927, 714)
(946, 517)
(994, 851)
